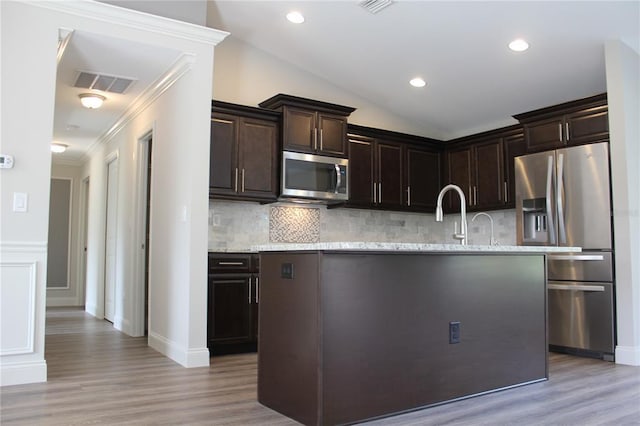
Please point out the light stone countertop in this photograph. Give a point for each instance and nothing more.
(415, 247)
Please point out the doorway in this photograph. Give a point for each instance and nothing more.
(143, 226)
(111, 239)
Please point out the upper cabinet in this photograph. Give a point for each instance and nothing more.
(573, 123)
(393, 171)
(482, 166)
(311, 126)
(244, 153)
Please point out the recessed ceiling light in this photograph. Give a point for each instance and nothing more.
(58, 147)
(417, 82)
(295, 17)
(518, 45)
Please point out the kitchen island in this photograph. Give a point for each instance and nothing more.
(350, 332)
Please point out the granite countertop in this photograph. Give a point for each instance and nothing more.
(372, 246)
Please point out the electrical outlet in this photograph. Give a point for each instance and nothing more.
(454, 332)
(287, 271)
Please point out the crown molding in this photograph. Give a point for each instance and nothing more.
(153, 92)
(134, 19)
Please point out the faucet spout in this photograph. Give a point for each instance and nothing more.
(492, 241)
(462, 236)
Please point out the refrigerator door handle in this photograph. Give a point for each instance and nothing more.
(551, 227)
(562, 233)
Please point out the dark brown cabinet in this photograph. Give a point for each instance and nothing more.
(482, 166)
(311, 126)
(389, 170)
(423, 183)
(514, 146)
(478, 171)
(375, 173)
(573, 123)
(233, 297)
(244, 153)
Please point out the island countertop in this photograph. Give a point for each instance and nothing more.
(409, 247)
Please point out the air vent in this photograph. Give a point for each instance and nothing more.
(103, 82)
(375, 6)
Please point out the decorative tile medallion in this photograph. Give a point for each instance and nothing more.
(294, 225)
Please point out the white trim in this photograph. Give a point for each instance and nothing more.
(23, 246)
(142, 21)
(140, 267)
(111, 157)
(23, 372)
(179, 68)
(189, 358)
(83, 222)
(628, 355)
(31, 309)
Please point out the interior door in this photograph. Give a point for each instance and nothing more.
(111, 241)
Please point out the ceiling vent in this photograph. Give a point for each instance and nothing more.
(103, 82)
(375, 6)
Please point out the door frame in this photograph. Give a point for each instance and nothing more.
(144, 156)
(117, 319)
(83, 240)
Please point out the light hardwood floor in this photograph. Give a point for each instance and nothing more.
(100, 376)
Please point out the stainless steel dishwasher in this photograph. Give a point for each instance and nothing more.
(581, 304)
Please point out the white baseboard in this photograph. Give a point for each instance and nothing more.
(628, 355)
(21, 373)
(189, 358)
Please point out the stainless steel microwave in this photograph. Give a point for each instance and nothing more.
(314, 177)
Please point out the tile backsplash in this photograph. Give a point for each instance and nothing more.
(236, 225)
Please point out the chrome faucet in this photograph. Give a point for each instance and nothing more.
(462, 236)
(492, 241)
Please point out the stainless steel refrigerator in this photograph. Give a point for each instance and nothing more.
(563, 199)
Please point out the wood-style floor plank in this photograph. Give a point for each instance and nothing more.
(100, 376)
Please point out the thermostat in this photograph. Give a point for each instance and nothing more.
(6, 161)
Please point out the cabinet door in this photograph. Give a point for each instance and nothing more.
(257, 159)
(389, 166)
(488, 184)
(423, 178)
(230, 308)
(458, 173)
(222, 161)
(514, 146)
(544, 135)
(299, 130)
(333, 135)
(361, 178)
(255, 307)
(587, 126)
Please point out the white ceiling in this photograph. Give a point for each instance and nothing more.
(474, 82)
(80, 127)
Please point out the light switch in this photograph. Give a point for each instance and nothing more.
(20, 201)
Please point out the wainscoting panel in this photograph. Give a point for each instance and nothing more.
(17, 308)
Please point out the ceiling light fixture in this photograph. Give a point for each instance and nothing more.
(417, 82)
(91, 100)
(58, 147)
(295, 17)
(518, 45)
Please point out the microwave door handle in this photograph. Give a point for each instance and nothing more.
(562, 234)
(550, 225)
(338, 178)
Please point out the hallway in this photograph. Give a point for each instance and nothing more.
(97, 375)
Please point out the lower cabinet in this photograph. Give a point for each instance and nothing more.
(233, 297)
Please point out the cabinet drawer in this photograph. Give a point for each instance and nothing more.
(227, 262)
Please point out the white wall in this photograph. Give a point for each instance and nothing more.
(623, 87)
(74, 294)
(178, 250)
(247, 76)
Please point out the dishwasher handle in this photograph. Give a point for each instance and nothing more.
(579, 257)
(573, 287)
